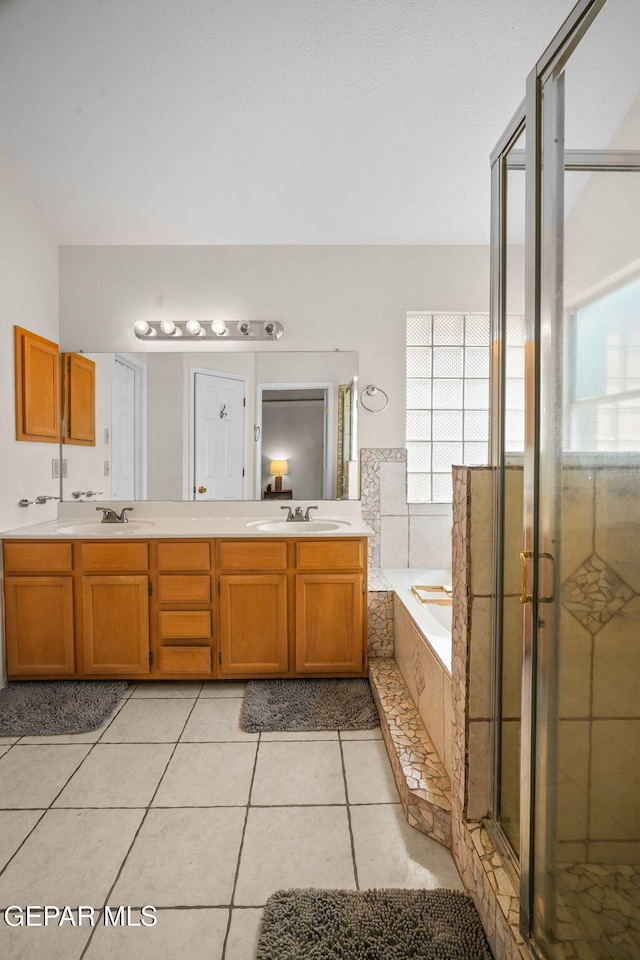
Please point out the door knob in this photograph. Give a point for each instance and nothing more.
(202, 489)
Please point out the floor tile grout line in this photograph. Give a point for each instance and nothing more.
(219, 806)
(139, 828)
(349, 824)
(244, 830)
(50, 806)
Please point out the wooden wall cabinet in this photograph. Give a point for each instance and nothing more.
(37, 380)
(185, 608)
(79, 400)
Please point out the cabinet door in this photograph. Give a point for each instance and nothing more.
(253, 624)
(79, 392)
(329, 623)
(39, 619)
(115, 621)
(37, 379)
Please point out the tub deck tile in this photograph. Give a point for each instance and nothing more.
(423, 785)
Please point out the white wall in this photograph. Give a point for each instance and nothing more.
(328, 297)
(28, 298)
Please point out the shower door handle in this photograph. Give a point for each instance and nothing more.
(524, 556)
(551, 598)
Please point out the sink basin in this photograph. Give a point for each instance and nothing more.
(284, 526)
(91, 528)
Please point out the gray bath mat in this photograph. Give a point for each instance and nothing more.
(49, 707)
(371, 925)
(298, 705)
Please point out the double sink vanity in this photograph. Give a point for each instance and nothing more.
(188, 590)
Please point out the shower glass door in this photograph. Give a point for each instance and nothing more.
(582, 493)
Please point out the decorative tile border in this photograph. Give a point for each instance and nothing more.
(422, 782)
(380, 623)
(370, 460)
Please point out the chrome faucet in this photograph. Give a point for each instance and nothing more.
(110, 516)
(299, 516)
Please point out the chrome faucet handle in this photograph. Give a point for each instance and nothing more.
(108, 515)
(123, 518)
(307, 515)
(298, 514)
(290, 514)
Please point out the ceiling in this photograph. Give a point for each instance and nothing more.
(264, 121)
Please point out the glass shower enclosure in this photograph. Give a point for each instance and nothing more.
(566, 710)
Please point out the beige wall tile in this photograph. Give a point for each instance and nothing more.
(393, 489)
(576, 530)
(479, 769)
(405, 638)
(430, 542)
(609, 852)
(394, 542)
(481, 546)
(569, 780)
(512, 640)
(480, 659)
(616, 666)
(569, 852)
(617, 527)
(448, 719)
(431, 700)
(574, 667)
(615, 785)
(513, 529)
(510, 778)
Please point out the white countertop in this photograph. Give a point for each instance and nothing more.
(215, 519)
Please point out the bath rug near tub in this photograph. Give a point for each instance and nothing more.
(298, 705)
(371, 925)
(42, 708)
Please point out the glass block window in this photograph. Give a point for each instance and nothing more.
(447, 399)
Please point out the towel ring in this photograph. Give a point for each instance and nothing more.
(372, 391)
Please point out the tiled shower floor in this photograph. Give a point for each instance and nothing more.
(171, 804)
(599, 911)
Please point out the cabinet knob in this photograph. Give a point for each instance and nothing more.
(202, 489)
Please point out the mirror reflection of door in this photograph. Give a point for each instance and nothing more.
(219, 437)
(125, 482)
(295, 429)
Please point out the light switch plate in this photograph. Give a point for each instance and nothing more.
(55, 468)
(107, 468)
(106, 435)
(65, 468)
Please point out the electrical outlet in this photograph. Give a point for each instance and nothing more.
(107, 468)
(106, 435)
(55, 468)
(65, 468)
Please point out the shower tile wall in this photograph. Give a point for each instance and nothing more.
(404, 535)
(599, 707)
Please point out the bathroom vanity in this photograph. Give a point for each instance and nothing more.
(153, 599)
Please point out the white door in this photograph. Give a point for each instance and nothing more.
(219, 438)
(123, 465)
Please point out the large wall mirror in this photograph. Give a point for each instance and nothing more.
(219, 426)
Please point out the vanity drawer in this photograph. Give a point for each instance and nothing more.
(253, 555)
(184, 624)
(184, 556)
(189, 589)
(43, 557)
(185, 659)
(115, 556)
(329, 554)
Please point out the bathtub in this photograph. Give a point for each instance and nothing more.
(432, 620)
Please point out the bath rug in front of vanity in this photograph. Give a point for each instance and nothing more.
(49, 707)
(371, 925)
(299, 705)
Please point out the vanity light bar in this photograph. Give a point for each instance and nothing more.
(217, 330)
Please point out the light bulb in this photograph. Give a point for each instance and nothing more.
(168, 327)
(194, 328)
(244, 329)
(219, 327)
(142, 328)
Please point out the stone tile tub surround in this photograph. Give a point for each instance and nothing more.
(480, 866)
(404, 535)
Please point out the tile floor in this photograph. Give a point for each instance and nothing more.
(171, 804)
